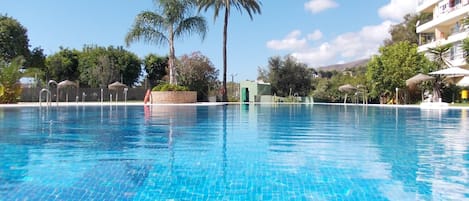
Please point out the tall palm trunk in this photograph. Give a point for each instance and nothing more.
(172, 57)
(225, 38)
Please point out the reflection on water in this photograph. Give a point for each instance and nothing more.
(240, 152)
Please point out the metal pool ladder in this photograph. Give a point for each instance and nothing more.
(48, 96)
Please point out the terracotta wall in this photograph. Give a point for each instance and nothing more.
(173, 97)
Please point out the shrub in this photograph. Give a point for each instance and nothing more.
(169, 87)
(10, 89)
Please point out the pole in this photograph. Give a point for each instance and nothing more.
(232, 83)
(397, 95)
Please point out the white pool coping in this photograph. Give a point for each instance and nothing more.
(140, 103)
(106, 103)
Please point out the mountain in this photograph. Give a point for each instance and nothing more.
(342, 67)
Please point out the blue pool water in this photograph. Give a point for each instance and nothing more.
(236, 152)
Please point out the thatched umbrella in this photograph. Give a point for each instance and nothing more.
(347, 88)
(116, 86)
(65, 84)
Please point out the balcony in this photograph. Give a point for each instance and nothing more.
(445, 17)
(427, 41)
(426, 5)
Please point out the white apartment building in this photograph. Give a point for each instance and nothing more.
(444, 26)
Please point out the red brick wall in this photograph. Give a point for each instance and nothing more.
(173, 97)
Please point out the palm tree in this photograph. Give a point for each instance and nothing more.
(174, 21)
(438, 57)
(250, 6)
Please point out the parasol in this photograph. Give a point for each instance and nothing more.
(66, 83)
(417, 79)
(116, 85)
(347, 88)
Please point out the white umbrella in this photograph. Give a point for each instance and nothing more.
(464, 82)
(418, 79)
(451, 71)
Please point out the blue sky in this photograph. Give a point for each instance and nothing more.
(316, 32)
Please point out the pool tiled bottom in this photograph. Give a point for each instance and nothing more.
(133, 180)
(254, 152)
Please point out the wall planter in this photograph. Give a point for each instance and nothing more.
(173, 97)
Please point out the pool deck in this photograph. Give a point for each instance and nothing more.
(140, 103)
(107, 103)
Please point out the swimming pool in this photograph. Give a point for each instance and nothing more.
(235, 152)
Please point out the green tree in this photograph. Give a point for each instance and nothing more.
(63, 65)
(250, 6)
(198, 73)
(174, 20)
(35, 66)
(100, 66)
(14, 40)
(327, 88)
(156, 68)
(395, 64)
(406, 30)
(288, 77)
(10, 89)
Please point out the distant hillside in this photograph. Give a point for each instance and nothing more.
(342, 67)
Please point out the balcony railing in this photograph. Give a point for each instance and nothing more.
(421, 2)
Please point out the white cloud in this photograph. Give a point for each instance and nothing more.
(397, 9)
(291, 42)
(345, 47)
(316, 6)
(316, 35)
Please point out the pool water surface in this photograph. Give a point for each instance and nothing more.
(233, 152)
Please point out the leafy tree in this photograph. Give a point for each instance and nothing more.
(288, 77)
(405, 31)
(174, 20)
(395, 64)
(197, 73)
(100, 66)
(63, 65)
(250, 6)
(37, 59)
(155, 66)
(129, 65)
(35, 66)
(327, 88)
(14, 40)
(10, 89)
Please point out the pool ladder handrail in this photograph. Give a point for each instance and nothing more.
(48, 96)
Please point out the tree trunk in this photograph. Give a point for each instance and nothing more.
(171, 59)
(436, 95)
(225, 36)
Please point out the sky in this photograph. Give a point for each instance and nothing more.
(316, 32)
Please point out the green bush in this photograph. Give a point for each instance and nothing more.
(10, 89)
(169, 87)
